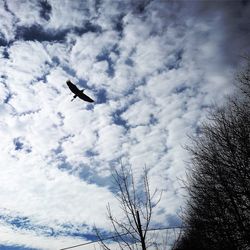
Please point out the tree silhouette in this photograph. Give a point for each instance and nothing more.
(218, 210)
(137, 204)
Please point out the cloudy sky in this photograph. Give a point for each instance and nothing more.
(153, 69)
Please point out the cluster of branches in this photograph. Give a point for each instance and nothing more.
(137, 204)
(218, 210)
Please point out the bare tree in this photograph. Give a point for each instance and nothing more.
(218, 210)
(243, 78)
(137, 203)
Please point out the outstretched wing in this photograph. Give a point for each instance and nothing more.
(78, 92)
(85, 97)
(73, 87)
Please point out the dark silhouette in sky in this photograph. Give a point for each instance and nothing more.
(78, 93)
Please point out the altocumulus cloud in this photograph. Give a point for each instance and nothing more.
(153, 67)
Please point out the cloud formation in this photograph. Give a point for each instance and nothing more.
(153, 67)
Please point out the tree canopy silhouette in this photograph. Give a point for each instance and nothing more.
(218, 209)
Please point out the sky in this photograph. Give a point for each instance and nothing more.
(154, 68)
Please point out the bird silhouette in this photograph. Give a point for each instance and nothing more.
(78, 93)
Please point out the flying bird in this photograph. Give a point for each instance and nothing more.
(78, 93)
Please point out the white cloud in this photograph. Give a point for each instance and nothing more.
(145, 110)
(167, 67)
(7, 23)
(83, 57)
(47, 190)
(26, 12)
(27, 61)
(66, 14)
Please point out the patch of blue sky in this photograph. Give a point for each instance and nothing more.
(45, 10)
(142, 81)
(177, 62)
(118, 24)
(55, 61)
(64, 229)
(77, 231)
(91, 153)
(181, 88)
(174, 221)
(86, 173)
(29, 112)
(20, 222)
(101, 96)
(104, 56)
(129, 62)
(91, 176)
(8, 97)
(59, 150)
(115, 49)
(64, 166)
(61, 160)
(153, 120)
(37, 32)
(90, 237)
(118, 120)
(89, 106)
(18, 144)
(67, 69)
(4, 77)
(87, 27)
(5, 52)
(3, 41)
(40, 79)
(16, 247)
(83, 83)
